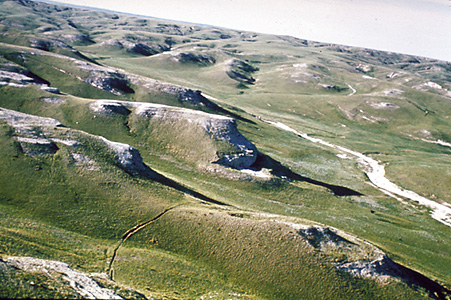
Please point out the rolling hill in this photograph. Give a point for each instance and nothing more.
(146, 158)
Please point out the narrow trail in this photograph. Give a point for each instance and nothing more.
(376, 174)
(131, 232)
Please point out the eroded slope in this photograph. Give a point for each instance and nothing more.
(117, 164)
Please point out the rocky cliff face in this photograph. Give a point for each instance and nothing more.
(63, 280)
(106, 79)
(240, 71)
(184, 95)
(359, 258)
(15, 75)
(39, 136)
(145, 48)
(218, 127)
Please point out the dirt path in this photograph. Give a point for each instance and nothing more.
(131, 232)
(376, 174)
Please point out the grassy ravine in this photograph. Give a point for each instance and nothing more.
(53, 208)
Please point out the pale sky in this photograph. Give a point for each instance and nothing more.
(419, 27)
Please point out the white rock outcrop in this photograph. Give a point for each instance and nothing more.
(381, 268)
(128, 157)
(357, 257)
(16, 76)
(37, 139)
(217, 126)
(33, 141)
(184, 95)
(80, 282)
(21, 120)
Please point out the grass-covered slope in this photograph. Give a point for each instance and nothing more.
(174, 158)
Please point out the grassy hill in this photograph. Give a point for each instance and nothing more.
(191, 162)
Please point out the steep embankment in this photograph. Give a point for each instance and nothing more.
(39, 136)
(355, 256)
(220, 128)
(24, 66)
(38, 275)
(84, 175)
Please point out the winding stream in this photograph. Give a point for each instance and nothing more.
(376, 174)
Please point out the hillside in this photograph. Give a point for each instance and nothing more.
(145, 158)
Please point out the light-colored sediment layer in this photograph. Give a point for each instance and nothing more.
(80, 282)
(376, 174)
(218, 126)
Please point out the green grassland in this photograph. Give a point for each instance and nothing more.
(223, 234)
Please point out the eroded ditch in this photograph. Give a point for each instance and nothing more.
(376, 174)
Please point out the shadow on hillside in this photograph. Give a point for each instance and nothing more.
(212, 107)
(234, 115)
(264, 161)
(148, 173)
(412, 278)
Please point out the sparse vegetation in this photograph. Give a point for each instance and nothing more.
(230, 233)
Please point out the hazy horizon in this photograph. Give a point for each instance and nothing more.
(417, 27)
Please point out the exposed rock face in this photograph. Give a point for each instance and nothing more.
(128, 157)
(106, 79)
(48, 45)
(219, 127)
(25, 121)
(37, 138)
(362, 259)
(364, 68)
(85, 161)
(16, 76)
(109, 107)
(56, 46)
(334, 87)
(185, 95)
(141, 48)
(54, 100)
(10, 72)
(323, 237)
(380, 268)
(427, 85)
(432, 86)
(77, 38)
(199, 59)
(32, 132)
(37, 146)
(79, 283)
(100, 77)
(392, 92)
(241, 65)
(222, 128)
(356, 256)
(383, 105)
(352, 254)
(240, 71)
(194, 97)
